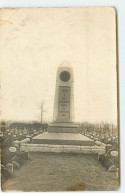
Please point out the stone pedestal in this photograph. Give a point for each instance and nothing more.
(63, 128)
(63, 139)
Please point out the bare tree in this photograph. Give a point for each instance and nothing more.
(42, 111)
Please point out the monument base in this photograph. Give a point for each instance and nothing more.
(63, 128)
(50, 148)
(63, 143)
(63, 139)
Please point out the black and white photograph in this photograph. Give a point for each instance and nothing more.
(59, 127)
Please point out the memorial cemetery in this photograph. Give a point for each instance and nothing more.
(63, 143)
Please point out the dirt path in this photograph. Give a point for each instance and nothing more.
(61, 172)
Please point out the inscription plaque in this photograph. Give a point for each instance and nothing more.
(64, 102)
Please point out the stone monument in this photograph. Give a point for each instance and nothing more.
(63, 131)
(64, 101)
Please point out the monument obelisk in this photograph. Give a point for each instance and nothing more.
(62, 131)
(64, 101)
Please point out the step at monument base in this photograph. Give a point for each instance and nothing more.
(63, 128)
(63, 139)
(63, 143)
(62, 148)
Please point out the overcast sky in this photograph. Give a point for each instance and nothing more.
(35, 41)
